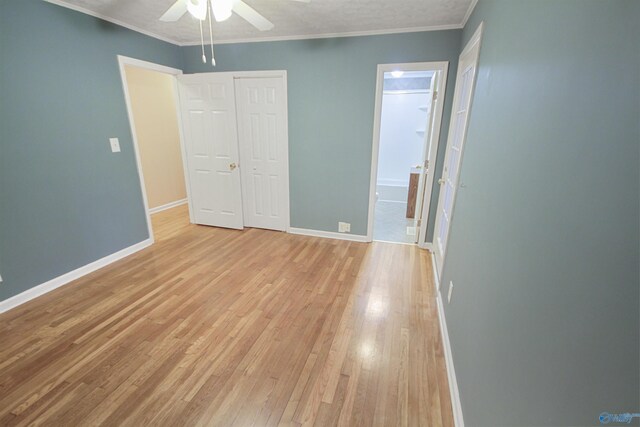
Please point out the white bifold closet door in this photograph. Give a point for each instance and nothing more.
(208, 110)
(236, 149)
(262, 132)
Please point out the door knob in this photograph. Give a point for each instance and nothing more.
(441, 181)
(232, 166)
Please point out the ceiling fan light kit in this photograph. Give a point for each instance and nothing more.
(197, 9)
(220, 10)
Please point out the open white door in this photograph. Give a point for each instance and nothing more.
(428, 141)
(208, 110)
(262, 120)
(465, 82)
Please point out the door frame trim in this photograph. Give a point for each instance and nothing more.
(443, 67)
(138, 63)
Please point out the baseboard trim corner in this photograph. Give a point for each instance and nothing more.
(428, 246)
(167, 206)
(328, 234)
(456, 405)
(69, 277)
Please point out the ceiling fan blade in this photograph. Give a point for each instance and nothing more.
(250, 15)
(175, 12)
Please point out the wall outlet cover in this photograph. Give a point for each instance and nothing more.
(344, 227)
(450, 291)
(115, 145)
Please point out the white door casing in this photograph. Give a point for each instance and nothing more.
(262, 131)
(463, 95)
(123, 62)
(208, 110)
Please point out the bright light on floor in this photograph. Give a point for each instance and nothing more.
(377, 306)
(366, 350)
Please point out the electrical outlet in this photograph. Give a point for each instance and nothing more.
(450, 292)
(344, 227)
(115, 145)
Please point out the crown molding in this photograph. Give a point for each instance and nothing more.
(89, 12)
(467, 15)
(333, 35)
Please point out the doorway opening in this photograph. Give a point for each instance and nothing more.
(406, 133)
(151, 97)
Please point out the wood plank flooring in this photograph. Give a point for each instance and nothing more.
(232, 328)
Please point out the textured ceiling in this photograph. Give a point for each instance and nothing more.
(292, 19)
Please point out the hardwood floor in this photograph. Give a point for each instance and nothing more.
(222, 327)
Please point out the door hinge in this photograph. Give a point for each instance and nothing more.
(419, 223)
(435, 95)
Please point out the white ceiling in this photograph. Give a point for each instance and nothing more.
(293, 20)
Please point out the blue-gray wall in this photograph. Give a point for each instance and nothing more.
(544, 247)
(65, 200)
(331, 85)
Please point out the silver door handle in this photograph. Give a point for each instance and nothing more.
(441, 181)
(232, 166)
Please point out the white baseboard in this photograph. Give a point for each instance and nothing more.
(167, 206)
(328, 234)
(59, 281)
(458, 419)
(436, 279)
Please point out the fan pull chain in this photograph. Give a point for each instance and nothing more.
(213, 59)
(204, 58)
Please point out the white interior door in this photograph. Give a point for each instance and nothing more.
(262, 118)
(465, 81)
(428, 140)
(208, 112)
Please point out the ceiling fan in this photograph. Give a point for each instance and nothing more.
(221, 10)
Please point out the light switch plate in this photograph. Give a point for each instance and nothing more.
(0, 279)
(450, 292)
(115, 145)
(344, 227)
